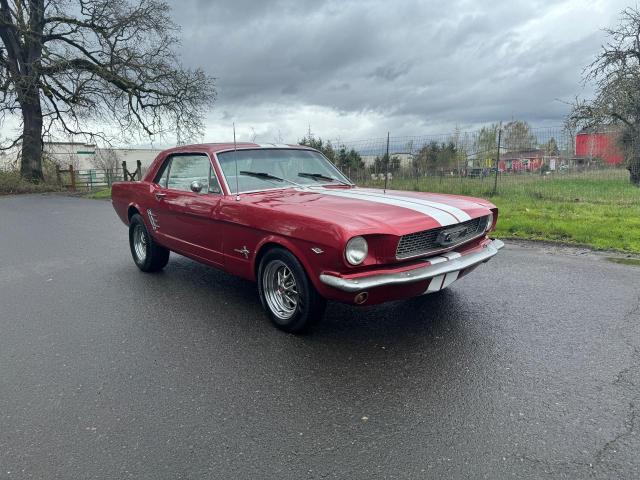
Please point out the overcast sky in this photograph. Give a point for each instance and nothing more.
(355, 69)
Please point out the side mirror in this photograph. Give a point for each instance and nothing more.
(196, 186)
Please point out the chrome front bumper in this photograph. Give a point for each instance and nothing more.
(440, 265)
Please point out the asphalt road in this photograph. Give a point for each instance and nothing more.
(528, 368)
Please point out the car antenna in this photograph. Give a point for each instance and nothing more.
(386, 165)
(235, 156)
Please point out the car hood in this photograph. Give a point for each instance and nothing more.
(364, 210)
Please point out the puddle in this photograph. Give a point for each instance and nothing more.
(625, 261)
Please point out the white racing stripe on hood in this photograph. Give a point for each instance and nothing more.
(442, 217)
(461, 215)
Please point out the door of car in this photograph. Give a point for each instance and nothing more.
(186, 213)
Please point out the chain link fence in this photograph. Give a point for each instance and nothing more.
(511, 159)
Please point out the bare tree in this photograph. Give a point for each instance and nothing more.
(5, 161)
(485, 144)
(517, 135)
(65, 64)
(106, 159)
(616, 75)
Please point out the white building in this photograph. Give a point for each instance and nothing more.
(406, 159)
(86, 156)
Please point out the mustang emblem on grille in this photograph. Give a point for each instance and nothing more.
(442, 238)
(451, 236)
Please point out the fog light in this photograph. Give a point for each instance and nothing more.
(361, 298)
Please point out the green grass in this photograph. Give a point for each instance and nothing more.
(103, 194)
(596, 209)
(597, 225)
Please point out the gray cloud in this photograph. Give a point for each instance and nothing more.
(391, 72)
(353, 68)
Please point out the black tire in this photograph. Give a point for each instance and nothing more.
(151, 257)
(309, 306)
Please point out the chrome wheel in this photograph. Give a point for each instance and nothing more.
(140, 243)
(280, 289)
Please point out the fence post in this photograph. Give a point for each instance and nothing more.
(90, 179)
(72, 174)
(386, 165)
(139, 169)
(495, 181)
(58, 175)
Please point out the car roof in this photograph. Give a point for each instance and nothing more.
(222, 146)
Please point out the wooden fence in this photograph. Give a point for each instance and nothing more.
(96, 179)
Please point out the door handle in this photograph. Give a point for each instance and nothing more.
(160, 195)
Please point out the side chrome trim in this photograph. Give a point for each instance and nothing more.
(243, 251)
(152, 219)
(421, 273)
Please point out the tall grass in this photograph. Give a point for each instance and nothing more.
(600, 186)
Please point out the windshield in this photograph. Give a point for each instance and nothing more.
(277, 168)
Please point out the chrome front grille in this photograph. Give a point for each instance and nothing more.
(439, 239)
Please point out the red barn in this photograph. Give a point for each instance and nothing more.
(598, 144)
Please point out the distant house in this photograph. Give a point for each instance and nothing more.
(598, 144)
(522, 160)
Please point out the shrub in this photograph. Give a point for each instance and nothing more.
(12, 183)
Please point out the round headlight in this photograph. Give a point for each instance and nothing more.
(489, 222)
(356, 250)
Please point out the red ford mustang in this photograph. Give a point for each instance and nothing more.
(288, 218)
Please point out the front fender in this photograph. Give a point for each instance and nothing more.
(301, 249)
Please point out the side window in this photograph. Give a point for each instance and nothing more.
(161, 178)
(214, 185)
(186, 169)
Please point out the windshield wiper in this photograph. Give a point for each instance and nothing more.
(268, 176)
(320, 177)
